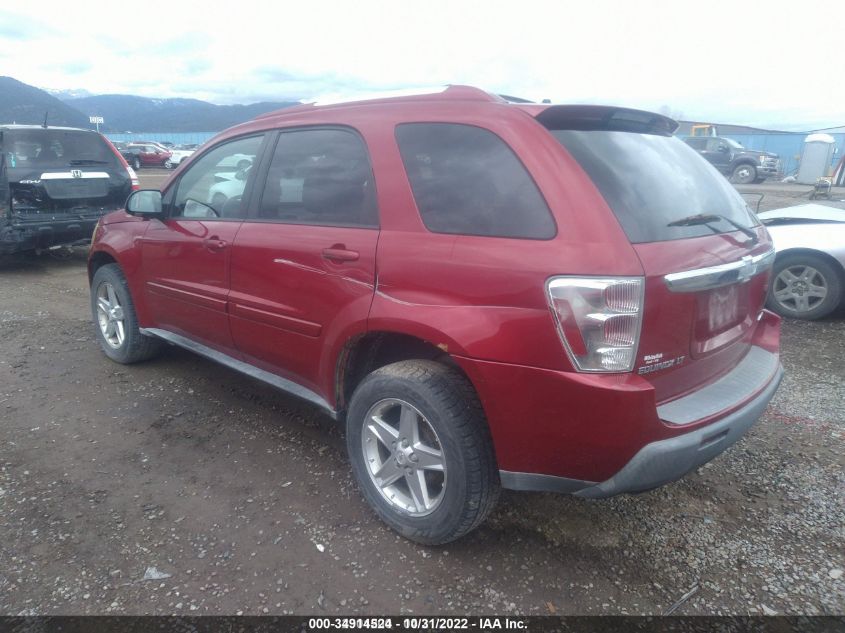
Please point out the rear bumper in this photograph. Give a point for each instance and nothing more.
(659, 462)
(15, 238)
(598, 436)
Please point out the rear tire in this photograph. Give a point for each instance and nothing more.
(804, 287)
(115, 319)
(136, 163)
(421, 451)
(744, 174)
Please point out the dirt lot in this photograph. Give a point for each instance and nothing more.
(775, 195)
(242, 497)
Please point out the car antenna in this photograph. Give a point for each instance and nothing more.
(45, 119)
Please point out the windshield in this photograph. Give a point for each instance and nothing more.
(652, 183)
(734, 143)
(52, 148)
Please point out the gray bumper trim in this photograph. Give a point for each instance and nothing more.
(245, 368)
(536, 482)
(751, 374)
(660, 462)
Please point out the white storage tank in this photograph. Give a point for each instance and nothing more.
(816, 158)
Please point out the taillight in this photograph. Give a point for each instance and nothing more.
(598, 319)
(133, 177)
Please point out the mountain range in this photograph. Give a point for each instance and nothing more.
(22, 103)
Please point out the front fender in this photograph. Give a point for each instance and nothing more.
(120, 242)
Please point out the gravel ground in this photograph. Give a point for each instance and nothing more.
(178, 486)
(776, 195)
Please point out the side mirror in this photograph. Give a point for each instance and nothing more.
(144, 203)
(723, 148)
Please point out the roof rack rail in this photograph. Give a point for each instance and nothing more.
(511, 99)
(452, 92)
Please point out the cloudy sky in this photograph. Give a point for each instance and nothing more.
(773, 64)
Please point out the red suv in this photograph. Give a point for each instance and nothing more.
(487, 294)
(150, 155)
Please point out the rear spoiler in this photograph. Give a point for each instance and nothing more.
(589, 118)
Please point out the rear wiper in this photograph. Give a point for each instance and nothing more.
(709, 218)
(88, 161)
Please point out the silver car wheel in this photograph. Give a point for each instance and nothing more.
(110, 316)
(404, 457)
(800, 288)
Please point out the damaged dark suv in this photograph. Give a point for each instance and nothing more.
(55, 184)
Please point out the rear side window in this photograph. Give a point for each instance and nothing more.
(320, 177)
(466, 180)
(658, 187)
(51, 148)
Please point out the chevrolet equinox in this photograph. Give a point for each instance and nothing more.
(487, 294)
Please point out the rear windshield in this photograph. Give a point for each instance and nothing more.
(657, 184)
(49, 149)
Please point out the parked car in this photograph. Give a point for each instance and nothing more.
(237, 161)
(180, 153)
(809, 270)
(230, 184)
(486, 294)
(163, 148)
(742, 165)
(55, 183)
(130, 154)
(152, 155)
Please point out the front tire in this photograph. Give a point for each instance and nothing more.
(744, 174)
(168, 164)
(115, 319)
(421, 451)
(804, 287)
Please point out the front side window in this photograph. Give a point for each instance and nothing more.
(214, 185)
(320, 177)
(696, 143)
(466, 180)
(716, 145)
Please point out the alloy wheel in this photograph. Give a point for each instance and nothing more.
(110, 316)
(800, 288)
(404, 457)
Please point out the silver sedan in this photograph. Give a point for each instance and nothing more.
(809, 273)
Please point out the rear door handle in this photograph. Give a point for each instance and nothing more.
(215, 243)
(336, 254)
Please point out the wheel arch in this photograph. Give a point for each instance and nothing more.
(830, 259)
(745, 160)
(365, 352)
(127, 258)
(97, 260)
